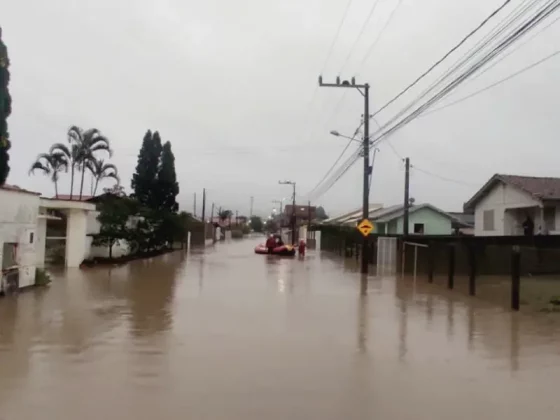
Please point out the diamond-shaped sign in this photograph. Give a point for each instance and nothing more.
(365, 227)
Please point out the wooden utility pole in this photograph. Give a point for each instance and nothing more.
(236, 218)
(203, 205)
(194, 209)
(364, 90)
(251, 208)
(406, 195)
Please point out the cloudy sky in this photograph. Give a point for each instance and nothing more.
(233, 86)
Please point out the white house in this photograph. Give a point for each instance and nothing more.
(505, 202)
(18, 237)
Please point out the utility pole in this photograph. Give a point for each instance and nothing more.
(236, 218)
(293, 221)
(308, 219)
(251, 208)
(194, 213)
(364, 90)
(406, 195)
(203, 205)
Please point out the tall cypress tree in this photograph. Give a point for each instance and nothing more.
(144, 180)
(5, 111)
(168, 187)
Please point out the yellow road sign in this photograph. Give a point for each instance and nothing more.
(365, 227)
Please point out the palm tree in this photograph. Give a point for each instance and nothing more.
(51, 164)
(89, 142)
(72, 156)
(101, 170)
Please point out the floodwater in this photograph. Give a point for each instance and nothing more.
(226, 334)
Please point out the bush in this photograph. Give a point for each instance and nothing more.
(42, 278)
(246, 230)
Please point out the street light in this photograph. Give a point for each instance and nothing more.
(293, 184)
(337, 134)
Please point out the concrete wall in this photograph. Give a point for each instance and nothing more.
(18, 222)
(434, 222)
(76, 240)
(499, 199)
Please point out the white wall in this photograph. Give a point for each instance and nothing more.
(76, 239)
(40, 242)
(500, 198)
(18, 220)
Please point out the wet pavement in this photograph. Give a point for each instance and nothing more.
(226, 334)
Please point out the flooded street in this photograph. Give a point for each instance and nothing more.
(226, 334)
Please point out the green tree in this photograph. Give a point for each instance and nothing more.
(256, 224)
(144, 180)
(5, 111)
(72, 156)
(101, 170)
(321, 214)
(225, 214)
(114, 216)
(89, 142)
(51, 164)
(167, 186)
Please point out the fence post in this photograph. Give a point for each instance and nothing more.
(472, 273)
(451, 274)
(515, 277)
(431, 261)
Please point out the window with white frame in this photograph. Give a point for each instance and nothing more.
(488, 220)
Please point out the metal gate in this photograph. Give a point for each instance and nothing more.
(386, 255)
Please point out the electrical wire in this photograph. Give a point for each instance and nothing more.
(550, 8)
(337, 34)
(377, 39)
(337, 159)
(329, 54)
(499, 82)
(362, 30)
(447, 54)
(443, 178)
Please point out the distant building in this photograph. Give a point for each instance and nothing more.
(19, 214)
(304, 214)
(505, 202)
(424, 219)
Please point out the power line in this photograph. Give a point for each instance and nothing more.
(546, 11)
(451, 51)
(499, 82)
(443, 178)
(348, 5)
(337, 159)
(362, 30)
(375, 42)
(329, 53)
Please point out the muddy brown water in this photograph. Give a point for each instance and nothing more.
(226, 334)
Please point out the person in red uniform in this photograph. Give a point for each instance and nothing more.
(270, 243)
(301, 248)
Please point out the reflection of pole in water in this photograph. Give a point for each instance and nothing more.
(514, 343)
(403, 321)
(430, 309)
(362, 315)
(471, 327)
(450, 316)
(200, 273)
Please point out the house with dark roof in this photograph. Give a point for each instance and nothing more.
(506, 202)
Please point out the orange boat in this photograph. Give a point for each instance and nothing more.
(283, 250)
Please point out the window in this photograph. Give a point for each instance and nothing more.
(488, 220)
(419, 228)
(549, 214)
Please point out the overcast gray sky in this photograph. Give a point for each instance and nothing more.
(229, 83)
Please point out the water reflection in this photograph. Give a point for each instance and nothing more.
(305, 339)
